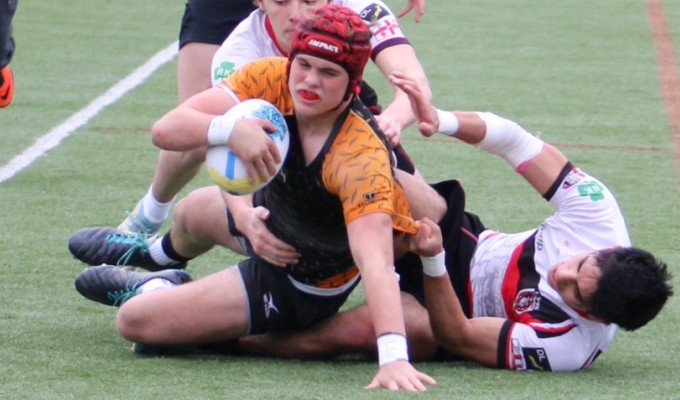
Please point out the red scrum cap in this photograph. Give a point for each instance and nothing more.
(337, 34)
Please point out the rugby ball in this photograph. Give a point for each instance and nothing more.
(226, 169)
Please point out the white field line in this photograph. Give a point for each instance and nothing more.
(52, 139)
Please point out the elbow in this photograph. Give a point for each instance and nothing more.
(161, 135)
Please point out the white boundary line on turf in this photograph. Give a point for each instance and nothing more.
(52, 139)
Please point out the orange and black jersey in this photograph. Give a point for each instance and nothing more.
(311, 204)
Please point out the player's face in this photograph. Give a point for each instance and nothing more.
(317, 85)
(284, 16)
(576, 279)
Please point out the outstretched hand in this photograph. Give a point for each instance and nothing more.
(419, 6)
(400, 375)
(428, 121)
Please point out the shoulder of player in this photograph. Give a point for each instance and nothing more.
(360, 130)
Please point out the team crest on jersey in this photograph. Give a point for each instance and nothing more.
(527, 300)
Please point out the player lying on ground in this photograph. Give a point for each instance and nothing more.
(549, 299)
(563, 287)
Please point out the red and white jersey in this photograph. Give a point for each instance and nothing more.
(508, 279)
(254, 38)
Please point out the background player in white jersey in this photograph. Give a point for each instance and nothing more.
(266, 33)
(549, 298)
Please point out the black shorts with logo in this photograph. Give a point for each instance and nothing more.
(211, 21)
(276, 305)
(460, 230)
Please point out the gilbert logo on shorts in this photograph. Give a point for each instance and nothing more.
(324, 46)
(269, 306)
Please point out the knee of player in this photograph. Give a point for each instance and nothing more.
(180, 219)
(160, 134)
(132, 323)
(357, 331)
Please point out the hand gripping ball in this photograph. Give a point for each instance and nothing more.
(226, 169)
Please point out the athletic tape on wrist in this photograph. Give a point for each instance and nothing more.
(448, 123)
(220, 130)
(434, 266)
(392, 347)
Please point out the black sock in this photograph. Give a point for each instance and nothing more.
(166, 244)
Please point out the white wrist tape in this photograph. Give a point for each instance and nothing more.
(507, 139)
(434, 266)
(392, 347)
(220, 129)
(448, 123)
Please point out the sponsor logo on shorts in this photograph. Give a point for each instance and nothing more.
(269, 305)
(536, 358)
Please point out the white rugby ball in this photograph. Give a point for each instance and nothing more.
(226, 169)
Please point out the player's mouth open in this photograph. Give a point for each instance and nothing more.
(307, 95)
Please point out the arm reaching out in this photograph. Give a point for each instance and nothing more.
(475, 338)
(538, 162)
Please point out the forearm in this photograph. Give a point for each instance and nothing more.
(186, 126)
(381, 290)
(538, 162)
(371, 243)
(472, 338)
(181, 129)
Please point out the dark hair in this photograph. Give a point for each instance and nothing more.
(632, 289)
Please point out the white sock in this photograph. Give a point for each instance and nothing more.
(158, 254)
(155, 284)
(154, 210)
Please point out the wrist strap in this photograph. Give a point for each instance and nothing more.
(392, 347)
(448, 123)
(220, 130)
(434, 266)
